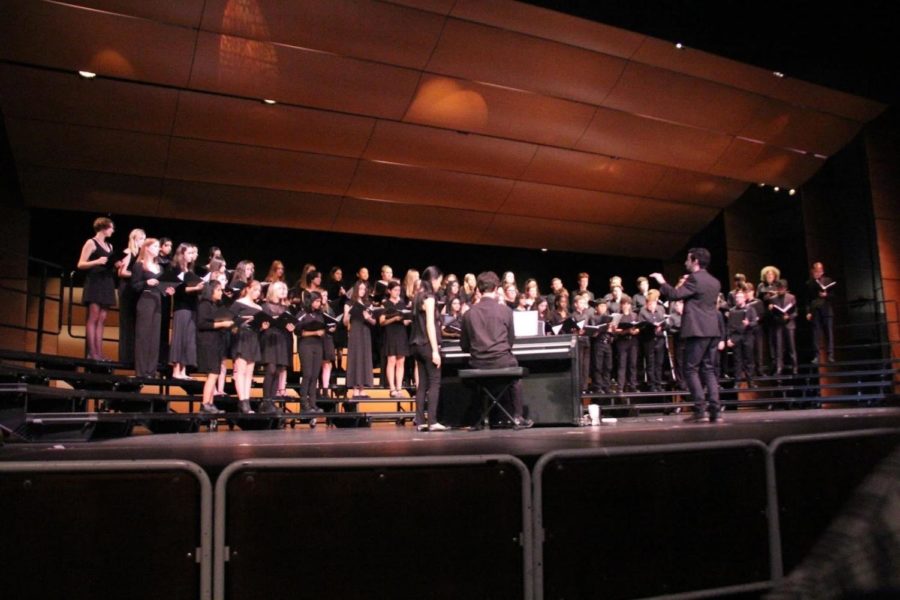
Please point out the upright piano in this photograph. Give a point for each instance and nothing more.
(551, 394)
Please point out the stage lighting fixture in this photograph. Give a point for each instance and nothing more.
(269, 101)
(543, 249)
(87, 74)
(680, 46)
(792, 192)
(778, 74)
(762, 184)
(776, 188)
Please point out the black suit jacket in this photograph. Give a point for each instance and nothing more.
(699, 292)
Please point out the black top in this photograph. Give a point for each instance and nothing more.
(656, 317)
(140, 277)
(815, 288)
(418, 335)
(487, 332)
(182, 299)
(736, 317)
(98, 253)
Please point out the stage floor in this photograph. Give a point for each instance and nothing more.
(215, 450)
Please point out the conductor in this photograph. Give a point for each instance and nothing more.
(700, 332)
(487, 335)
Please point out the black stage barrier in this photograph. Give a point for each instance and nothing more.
(815, 477)
(551, 393)
(650, 521)
(108, 529)
(443, 527)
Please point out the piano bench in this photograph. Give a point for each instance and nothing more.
(492, 384)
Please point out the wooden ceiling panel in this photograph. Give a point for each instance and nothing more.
(789, 126)
(488, 54)
(663, 54)
(252, 166)
(259, 69)
(699, 188)
(557, 202)
(364, 28)
(467, 106)
(87, 148)
(593, 171)
(219, 118)
(430, 187)
(407, 221)
(452, 150)
(90, 191)
(76, 38)
(616, 133)
(669, 96)
(751, 161)
(441, 7)
(186, 13)
(528, 232)
(63, 97)
(551, 25)
(253, 206)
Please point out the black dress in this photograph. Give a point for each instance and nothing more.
(183, 348)
(99, 283)
(127, 306)
(311, 350)
(245, 343)
(276, 344)
(396, 338)
(359, 350)
(211, 342)
(148, 314)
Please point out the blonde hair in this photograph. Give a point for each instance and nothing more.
(652, 295)
(469, 283)
(277, 290)
(766, 269)
(133, 247)
(142, 253)
(411, 283)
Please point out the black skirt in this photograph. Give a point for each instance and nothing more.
(245, 344)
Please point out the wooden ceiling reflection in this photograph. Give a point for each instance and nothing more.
(479, 122)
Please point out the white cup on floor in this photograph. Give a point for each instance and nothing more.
(594, 412)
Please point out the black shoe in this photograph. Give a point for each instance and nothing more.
(244, 406)
(695, 418)
(718, 418)
(522, 423)
(210, 409)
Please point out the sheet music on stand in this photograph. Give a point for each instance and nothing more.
(525, 323)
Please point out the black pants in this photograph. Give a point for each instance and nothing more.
(429, 388)
(743, 356)
(823, 326)
(310, 350)
(655, 356)
(602, 364)
(627, 355)
(584, 360)
(700, 370)
(146, 334)
(785, 336)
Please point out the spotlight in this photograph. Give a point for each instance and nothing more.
(543, 249)
(792, 192)
(680, 46)
(268, 101)
(763, 184)
(776, 188)
(87, 74)
(778, 74)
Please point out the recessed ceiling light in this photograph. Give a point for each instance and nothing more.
(792, 192)
(87, 74)
(543, 249)
(763, 184)
(777, 189)
(778, 74)
(269, 101)
(680, 46)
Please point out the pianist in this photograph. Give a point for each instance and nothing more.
(487, 335)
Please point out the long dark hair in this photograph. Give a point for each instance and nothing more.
(428, 275)
(354, 293)
(310, 298)
(209, 288)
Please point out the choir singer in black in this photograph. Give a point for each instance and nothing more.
(487, 335)
(700, 332)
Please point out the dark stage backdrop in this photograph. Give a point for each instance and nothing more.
(57, 236)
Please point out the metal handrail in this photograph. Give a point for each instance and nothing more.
(71, 288)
